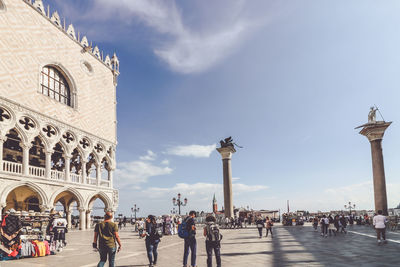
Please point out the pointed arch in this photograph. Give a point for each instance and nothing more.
(43, 200)
(102, 196)
(75, 193)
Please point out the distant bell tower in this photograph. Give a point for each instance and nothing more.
(215, 207)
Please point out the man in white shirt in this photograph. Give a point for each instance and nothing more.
(379, 222)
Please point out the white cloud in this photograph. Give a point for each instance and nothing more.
(197, 151)
(149, 156)
(136, 172)
(235, 179)
(165, 162)
(184, 47)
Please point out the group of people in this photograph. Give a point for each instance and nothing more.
(331, 225)
(106, 236)
(338, 223)
(264, 223)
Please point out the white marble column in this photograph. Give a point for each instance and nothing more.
(83, 172)
(2, 140)
(88, 219)
(69, 219)
(82, 219)
(48, 164)
(25, 158)
(67, 168)
(111, 177)
(2, 206)
(98, 174)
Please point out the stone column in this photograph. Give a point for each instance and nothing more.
(69, 219)
(111, 177)
(88, 219)
(98, 174)
(2, 206)
(2, 140)
(226, 153)
(67, 168)
(83, 169)
(25, 158)
(82, 219)
(48, 164)
(374, 132)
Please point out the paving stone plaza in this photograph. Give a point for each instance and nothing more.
(291, 246)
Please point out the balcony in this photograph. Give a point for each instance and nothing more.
(59, 176)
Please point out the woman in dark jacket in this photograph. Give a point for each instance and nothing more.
(260, 225)
(152, 239)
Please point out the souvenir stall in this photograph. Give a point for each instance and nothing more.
(25, 234)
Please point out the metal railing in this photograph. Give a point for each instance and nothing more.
(105, 183)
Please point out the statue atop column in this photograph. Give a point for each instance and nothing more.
(372, 115)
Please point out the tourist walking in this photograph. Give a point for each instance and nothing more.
(268, 227)
(315, 223)
(152, 234)
(331, 226)
(343, 224)
(324, 226)
(106, 233)
(213, 240)
(379, 222)
(190, 241)
(260, 225)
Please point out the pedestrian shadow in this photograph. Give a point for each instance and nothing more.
(234, 254)
(135, 265)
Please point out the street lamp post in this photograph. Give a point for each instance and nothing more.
(179, 203)
(350, 206)
(134, 210)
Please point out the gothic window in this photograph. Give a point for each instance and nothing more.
(55, 85)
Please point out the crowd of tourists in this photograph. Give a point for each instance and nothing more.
(106, 236)
(333, 225)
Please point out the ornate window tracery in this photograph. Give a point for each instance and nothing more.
(55, 85)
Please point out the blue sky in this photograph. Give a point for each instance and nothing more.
(289, 80)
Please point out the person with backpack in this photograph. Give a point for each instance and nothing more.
(187, 231)
(260, 225)
(213, 240)
(153, 233)
(268, 227)
(106, 233)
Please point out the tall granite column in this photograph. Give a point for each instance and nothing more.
(226, 153)
(374, 132)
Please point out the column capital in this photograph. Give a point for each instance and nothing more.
(226, 152)
(26, 145)
(89, 210)
(49, 152)
(375, 130)
(82, 209)
(3, 205)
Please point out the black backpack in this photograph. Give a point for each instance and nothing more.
(213, 233)
(157, 231)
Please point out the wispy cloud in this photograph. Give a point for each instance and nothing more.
(137, 172)
(149, 156)
(197, 151)
(185, 47)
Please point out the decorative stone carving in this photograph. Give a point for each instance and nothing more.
(49, 131)
(84, 143)
(5, 115)
(96, 52)
(27, 123)
(84, 42)
(107, 61)
(71, 31)
(39, 6)
(55, 18)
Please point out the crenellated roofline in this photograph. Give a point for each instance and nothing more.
(111, 63)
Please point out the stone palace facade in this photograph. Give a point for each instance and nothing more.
(57, 114)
